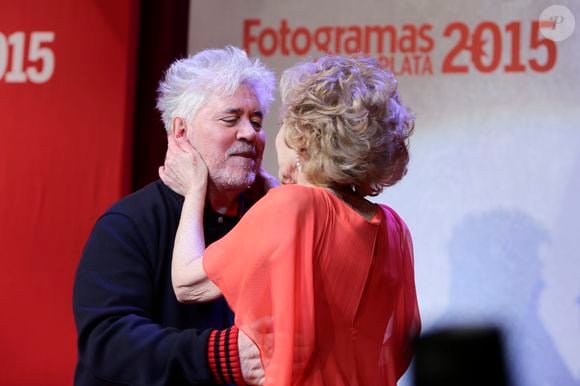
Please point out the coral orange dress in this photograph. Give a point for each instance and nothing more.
(328, 297)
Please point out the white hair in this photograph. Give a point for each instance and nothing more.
(189, 82)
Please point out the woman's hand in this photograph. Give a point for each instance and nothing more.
(184, 170)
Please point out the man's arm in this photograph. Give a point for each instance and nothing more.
(118, 340)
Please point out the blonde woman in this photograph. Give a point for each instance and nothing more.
(319, 277)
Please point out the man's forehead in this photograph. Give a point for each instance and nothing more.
(243, 100)
(240, 111)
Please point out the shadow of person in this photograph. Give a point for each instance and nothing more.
(496, 278)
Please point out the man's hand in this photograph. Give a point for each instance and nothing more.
(250, 362)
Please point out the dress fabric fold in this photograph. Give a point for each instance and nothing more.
(328, 296)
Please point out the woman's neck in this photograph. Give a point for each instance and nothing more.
(358, 203)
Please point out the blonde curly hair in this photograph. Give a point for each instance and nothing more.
(344, 117)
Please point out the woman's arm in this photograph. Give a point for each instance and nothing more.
(185, 172)
(190, 283)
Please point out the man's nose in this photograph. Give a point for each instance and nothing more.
(246, 131)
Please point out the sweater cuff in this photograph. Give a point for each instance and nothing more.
(223, 356)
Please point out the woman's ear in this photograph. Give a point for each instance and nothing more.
(178, 127)
(303, 154)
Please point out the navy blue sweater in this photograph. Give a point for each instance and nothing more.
(131, 329)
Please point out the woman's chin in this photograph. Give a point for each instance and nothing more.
(286, 180)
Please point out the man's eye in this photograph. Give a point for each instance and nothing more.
(257, 124)
(229, 121)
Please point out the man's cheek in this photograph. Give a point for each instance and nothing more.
(261, 142)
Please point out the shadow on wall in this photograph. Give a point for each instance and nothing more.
(496, 278)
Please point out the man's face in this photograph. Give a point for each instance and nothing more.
(227, 132)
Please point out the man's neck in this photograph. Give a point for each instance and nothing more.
(223, 201)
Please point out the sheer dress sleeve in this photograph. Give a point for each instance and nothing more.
(264, 269)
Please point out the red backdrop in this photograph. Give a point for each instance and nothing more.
(65, 151)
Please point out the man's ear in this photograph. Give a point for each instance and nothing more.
(178, 127)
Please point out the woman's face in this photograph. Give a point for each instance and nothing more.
(287, 158)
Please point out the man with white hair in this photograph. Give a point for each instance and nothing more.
(131, 328)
